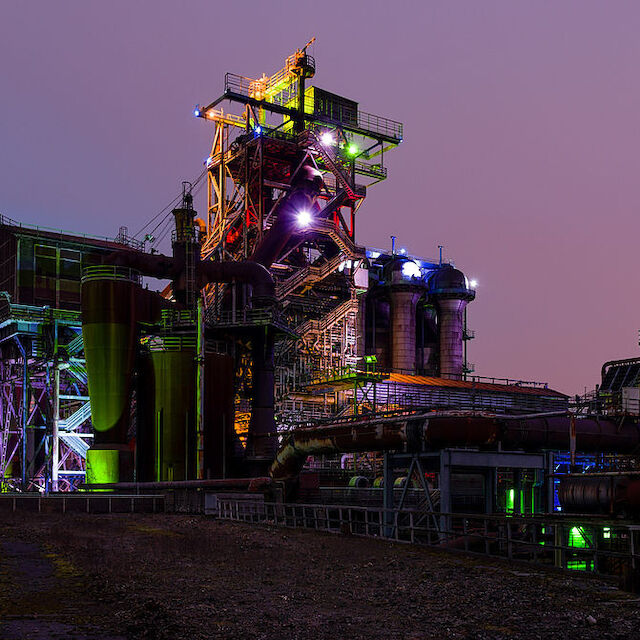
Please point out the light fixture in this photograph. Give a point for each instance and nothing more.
(196, 112)
(304, 218)
(473, 284)
(352, 149)
(257, 130)
(327, 139)
(411, 270)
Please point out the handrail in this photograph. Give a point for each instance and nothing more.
(110, 272)
(367, 123)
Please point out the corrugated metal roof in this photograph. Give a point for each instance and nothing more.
(468, 384)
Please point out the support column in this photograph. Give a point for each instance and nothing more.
(445, 493)
(387, 492)
(55, 444)
(451, 323)
(200, 356)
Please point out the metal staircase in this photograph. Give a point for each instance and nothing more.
(310, 273)
(338, 235)
(331, 162)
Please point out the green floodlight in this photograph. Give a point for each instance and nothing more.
(352, 149)
(370, 359)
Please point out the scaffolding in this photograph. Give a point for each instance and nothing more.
(44, 399)
(279, 125)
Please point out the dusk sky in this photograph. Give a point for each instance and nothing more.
(521, 152)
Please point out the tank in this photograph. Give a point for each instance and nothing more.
(109, 297)
(174, 378)
(358, 482)
(406, 288)
(610, 494)
(449, 290)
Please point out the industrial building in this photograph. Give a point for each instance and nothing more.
(283, 351)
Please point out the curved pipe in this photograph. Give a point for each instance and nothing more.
(439, 431)
(161, 266)
(305, 189)
(152, 265)
(603, 370)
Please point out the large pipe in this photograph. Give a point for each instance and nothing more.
(247, 272)
(447, 430)
(606, 493)
(305, 189)
(161, 266)
(250, 484)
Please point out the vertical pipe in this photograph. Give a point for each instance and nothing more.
(200, 393)
(55, 453)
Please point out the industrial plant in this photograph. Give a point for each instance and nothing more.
(285, 373)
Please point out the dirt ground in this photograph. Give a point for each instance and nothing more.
(155, 576)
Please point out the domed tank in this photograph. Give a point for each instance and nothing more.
(109, 300)
(449, 290)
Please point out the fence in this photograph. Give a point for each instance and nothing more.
(81, 503)
(597, 546)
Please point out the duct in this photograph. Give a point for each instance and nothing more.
(247, 272)
(451, 430)
(152, 265)
(592, 435)
(162, 267)
(305, 189)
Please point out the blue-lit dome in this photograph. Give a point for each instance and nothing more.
(402, 270)
(450, 282)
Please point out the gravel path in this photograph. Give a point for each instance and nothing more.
(156, 576)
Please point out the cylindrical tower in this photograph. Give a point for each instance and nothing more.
(109, 302)
(262, 443)
(405, 289)
(174, 376)
(449, 290)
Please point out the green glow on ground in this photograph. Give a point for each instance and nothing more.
(102, 466)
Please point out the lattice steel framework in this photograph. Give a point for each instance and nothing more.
(44, 403)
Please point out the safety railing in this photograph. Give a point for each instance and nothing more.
(597, 546)
(5, 220)
(30, 313)
(110, 272)
(367, 123)
(81, 503)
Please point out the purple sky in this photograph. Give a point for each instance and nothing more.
(521, 153)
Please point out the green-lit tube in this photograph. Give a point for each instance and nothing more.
(103, 466)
